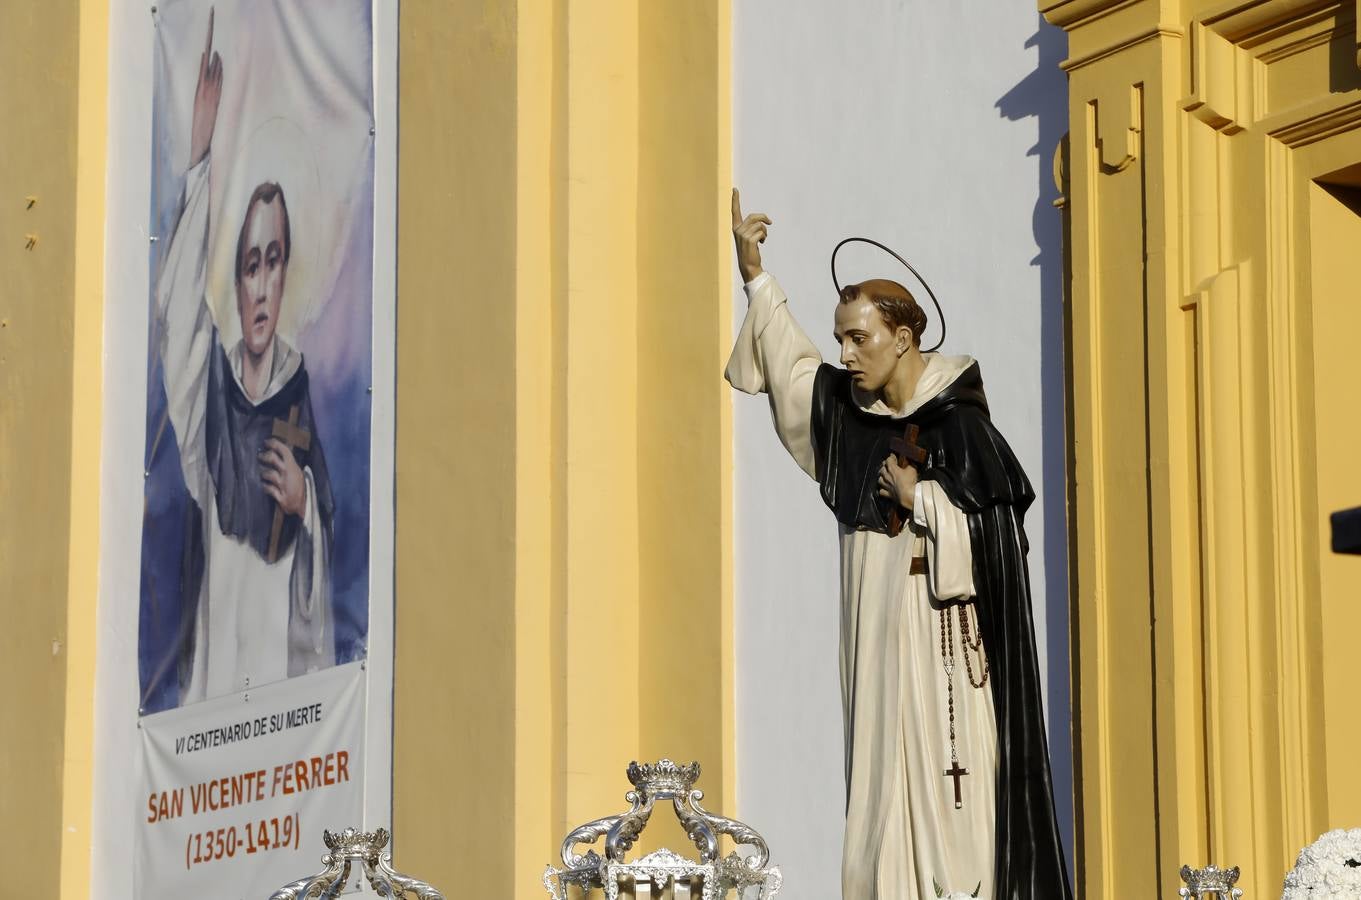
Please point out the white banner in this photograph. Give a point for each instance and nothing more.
(240, 788)
(244, 674)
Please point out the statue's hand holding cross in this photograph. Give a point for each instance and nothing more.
(898, 475)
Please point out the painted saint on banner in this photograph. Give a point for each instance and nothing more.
(254, 545)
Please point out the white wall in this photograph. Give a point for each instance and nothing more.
(931, 127)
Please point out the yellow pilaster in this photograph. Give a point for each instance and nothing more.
(39, 102)
(454, 700)
(1200, 134)
(563, 506)
(86, 418)
(600, 452)
(684, 419)
(538, 809)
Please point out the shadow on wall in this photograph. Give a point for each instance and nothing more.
(1043, 95)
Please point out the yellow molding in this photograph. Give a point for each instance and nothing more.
(1123, 43)
(723, 293)
(1125, 121)
(537, 484)
(1356, 17)
(599, 519)
(1250, 20)
(86, 415)
(1074, 13)
(1314, 122)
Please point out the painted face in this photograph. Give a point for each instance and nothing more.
(260, 284)
(869, 348)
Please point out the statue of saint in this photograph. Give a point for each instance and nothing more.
(948, 786)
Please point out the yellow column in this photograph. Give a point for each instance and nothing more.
(600, 462)
(684, 418)
(455, 621)
(538, 811)
(1123, 65)
(86, 418)
(40, 102)
(563, 462)
(1208, 286)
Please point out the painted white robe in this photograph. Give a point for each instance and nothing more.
(241, 627)
(903, 833)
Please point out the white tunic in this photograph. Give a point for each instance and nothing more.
(903, 833)
(241, 624)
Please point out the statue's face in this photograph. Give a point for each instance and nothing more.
(870, 350)
(260, 283)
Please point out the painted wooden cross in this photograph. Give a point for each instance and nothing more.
(292, 436)
(956, 773)
(908, 454)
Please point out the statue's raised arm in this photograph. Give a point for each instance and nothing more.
(749, 234)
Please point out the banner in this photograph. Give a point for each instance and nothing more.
(237, 794)
(255, 545)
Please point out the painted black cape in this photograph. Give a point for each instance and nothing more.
(235, 431)
(973, 464)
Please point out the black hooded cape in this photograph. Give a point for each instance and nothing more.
(973, 464)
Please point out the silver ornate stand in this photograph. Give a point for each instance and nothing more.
(363, 847)
(664, 873)
(1210, 881)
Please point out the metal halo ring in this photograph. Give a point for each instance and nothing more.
(922, 281)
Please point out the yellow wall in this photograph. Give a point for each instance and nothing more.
(37, 159)
(1209, 345)
(563, 447)
(684, 423)
(563, 561)
(455, 459)
(87, 395)
(1335, 288)
(1335, 285)
(52, 171)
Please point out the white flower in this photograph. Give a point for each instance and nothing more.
(1329, 867)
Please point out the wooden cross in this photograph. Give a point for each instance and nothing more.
(908, 454)
(292, 436)
(957, 773)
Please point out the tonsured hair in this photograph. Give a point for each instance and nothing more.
(894, 302)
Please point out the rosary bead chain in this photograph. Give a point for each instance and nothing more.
(947, 658)
(976, 646)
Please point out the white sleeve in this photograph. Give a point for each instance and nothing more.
(186, 328)
(949, 555)
(312, 594)
(772, 354)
